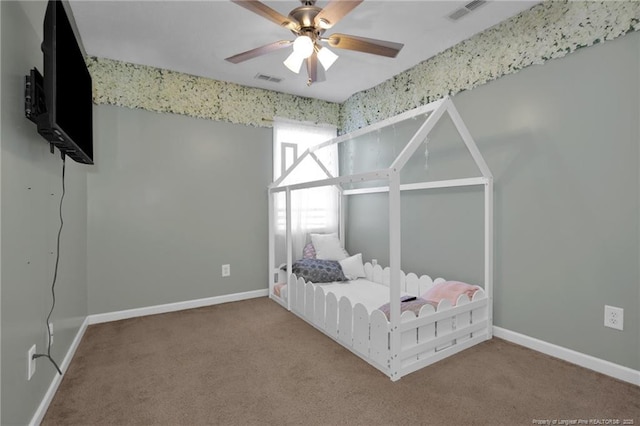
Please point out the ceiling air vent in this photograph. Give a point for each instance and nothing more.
(459, 13)
(475, 4)
(267, 78)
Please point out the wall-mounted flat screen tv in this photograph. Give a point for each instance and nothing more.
(68, 120)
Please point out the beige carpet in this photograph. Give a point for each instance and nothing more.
(252, 362)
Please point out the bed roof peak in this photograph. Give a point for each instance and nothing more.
(434, 112)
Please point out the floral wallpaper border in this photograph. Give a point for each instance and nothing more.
(154, 89)
(549, 30)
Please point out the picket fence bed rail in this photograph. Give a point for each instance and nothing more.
(432, 335)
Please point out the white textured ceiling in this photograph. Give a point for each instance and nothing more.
(195, 37)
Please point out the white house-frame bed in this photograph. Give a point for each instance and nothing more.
(402, 342)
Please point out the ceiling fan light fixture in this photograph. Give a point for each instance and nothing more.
(324, 24)
(326, 57)
(294, 62)
(303, 46)
(308, 23)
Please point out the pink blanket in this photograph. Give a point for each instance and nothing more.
(408, 303)
(449, 290)
(277, 289)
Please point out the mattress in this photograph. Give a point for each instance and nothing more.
(371, 295)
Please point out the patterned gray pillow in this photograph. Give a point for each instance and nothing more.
(318, 270)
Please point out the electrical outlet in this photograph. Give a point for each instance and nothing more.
(50, 334)
(31, 362)
(613, 317)
(226, 270)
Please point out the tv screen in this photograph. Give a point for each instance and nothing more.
(68, 121)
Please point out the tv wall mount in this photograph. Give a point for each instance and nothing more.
(35, 104)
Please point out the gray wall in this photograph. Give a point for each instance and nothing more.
(31, 190)
(562, 141)
(171, 199)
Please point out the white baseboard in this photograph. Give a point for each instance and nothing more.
(53, 387)
(130, 313)
(587, 361)
(173, 307)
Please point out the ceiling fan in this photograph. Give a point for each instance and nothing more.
(308, 23)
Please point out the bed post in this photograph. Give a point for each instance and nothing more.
(272, 257)
(394, 263)
(488, 252)
(342, 216)
(289, 242)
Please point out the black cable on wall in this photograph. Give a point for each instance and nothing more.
(55, 277)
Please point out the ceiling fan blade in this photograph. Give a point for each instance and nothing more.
(250, 54)
(314, 72)
(334, 11)
(366, 45)
(266, 12)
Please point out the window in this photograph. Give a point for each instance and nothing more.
(312, 210)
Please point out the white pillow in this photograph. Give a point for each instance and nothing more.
(352, 267)
(328, 247)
